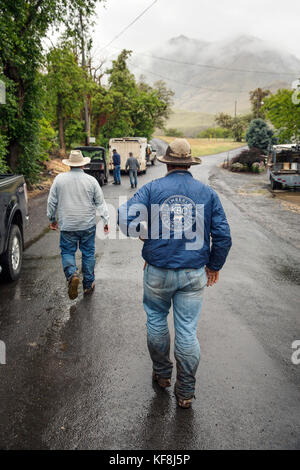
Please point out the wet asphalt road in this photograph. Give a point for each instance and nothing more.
(78, 375)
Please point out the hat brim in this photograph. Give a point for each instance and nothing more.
(180, 161)
(83, 162)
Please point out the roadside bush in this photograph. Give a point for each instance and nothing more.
(48, 139)
(216, 133)
(3, 151)
(237, 167)
(259, 135)
(247, 158)
(172, 132)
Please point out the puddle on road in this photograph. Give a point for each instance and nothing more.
(289, 273)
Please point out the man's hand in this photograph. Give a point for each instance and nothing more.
(106, 228)
(54, 226)
(212, 276)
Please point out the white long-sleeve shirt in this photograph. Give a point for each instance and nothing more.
(73, 200)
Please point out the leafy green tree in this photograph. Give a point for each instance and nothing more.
(23, 26)
(256, 99)
(284, 115)
(237, 125)
(259, 135)
(66, 87)
(128, 108)
(224, 120)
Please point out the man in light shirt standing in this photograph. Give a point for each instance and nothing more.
(74, 198)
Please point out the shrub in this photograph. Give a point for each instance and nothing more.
(237, 167)
(259, 135)
(3, 151)
(248, 157)
(172, 132)
(216, 133)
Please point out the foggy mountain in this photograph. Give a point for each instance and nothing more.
(211, 90)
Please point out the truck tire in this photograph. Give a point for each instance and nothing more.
(275, 184)
(12, 259)
(101, 180)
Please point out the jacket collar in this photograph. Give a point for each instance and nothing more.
(184, 172)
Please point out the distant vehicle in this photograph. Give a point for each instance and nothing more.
(98, 165)
(124, 145)
(284, 166)
(13, 220)
(151, 155)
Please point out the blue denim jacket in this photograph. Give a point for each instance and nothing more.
(171, 202)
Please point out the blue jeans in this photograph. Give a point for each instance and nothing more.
(133, 177)
(69, 242)
(117, 174)
(185, 288)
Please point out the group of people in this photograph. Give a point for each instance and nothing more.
(176, 270)
(132, 164)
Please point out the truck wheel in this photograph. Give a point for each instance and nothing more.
(12, 258)
(101, 180)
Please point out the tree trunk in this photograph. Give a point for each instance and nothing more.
(13, 155)
(86, 105)
(61, 132)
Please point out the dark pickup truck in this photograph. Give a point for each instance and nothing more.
(13, 219)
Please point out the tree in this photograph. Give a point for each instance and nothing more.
(224, 120)
(128, 108)
(172, 132)
(259, 135)
(23, 26)
(256, 98)
(237, 125)
(284, 115)
(66, 88)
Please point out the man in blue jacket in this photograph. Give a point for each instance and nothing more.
(117, 167)
(186, 241)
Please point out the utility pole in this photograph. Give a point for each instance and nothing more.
(235, 108)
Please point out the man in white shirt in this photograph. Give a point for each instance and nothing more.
(74, 198)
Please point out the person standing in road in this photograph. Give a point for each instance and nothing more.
(74, 197)
(186, 241)
(117, 167)
(133, 165)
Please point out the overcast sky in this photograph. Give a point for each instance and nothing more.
(274, 20)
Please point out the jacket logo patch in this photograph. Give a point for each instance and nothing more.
(178, 213)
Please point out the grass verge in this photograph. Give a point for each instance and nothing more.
(202, 147)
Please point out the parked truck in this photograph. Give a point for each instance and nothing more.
(13, 220)
(124, 145)
(98, 165)
(284, 166)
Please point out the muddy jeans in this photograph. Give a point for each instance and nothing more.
(69, 242)
(185, 288)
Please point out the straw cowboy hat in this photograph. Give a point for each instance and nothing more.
(76, 159)
(179, 153)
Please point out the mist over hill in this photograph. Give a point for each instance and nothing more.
(232, 68)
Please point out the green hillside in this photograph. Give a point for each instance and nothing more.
(190, 122)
